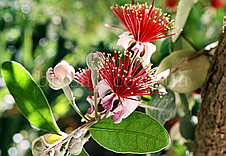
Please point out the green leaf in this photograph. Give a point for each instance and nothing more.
(145, 98)
(183, 10)
(164, 51)
(188, 77)
(163, 108)
(187, 128)
(138, 133)
(28, 96)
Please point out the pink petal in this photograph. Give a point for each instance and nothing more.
(90, 99)
(107, 101)
(102, 89)
(129, 106)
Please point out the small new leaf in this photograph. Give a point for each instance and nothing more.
(183, 10)
(28, 96)
(138, 133)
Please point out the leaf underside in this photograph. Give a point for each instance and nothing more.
(163, 108)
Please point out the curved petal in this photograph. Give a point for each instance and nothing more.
(129, 105)
(102, 89)
(149, 50)
(90, 99)
(107, 101)
(162, 75)
(139, 47)
(124, 39)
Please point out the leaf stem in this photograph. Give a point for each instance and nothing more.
(189, 41)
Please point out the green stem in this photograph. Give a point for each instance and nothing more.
(106, 114)
(185, 103)
(74, 105)
(95, 103)
(69, 94)
(94, 76)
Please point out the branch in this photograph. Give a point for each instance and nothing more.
(186, 60)
(67, 138)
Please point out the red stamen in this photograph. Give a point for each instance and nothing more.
(145, 23)
(84, 79)
(126, 77)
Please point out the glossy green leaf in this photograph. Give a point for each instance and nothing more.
(162, 108)
(183, 10)
(138, 133)
(188, 77)
(28, 96)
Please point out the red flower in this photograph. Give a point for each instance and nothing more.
(145, 23)
(126, 77)
(217, 3)
(171, 3)
(122, 79)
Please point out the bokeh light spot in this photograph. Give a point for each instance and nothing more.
(2, 82)
(25, 8)
(9, 99)
(12, 151)
(25, 144)
(56, 20)
(17, 138)
(50, 10)
(43, 42)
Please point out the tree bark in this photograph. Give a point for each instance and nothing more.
(210, 134)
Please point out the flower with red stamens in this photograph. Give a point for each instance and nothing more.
(217, 4)
(171, 4)
(123, 79)
(144, 24)
(126, 77)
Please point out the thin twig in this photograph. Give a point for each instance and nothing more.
(189, 41)
(186, 60)
(66, 139)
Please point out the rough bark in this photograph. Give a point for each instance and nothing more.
(210, 134)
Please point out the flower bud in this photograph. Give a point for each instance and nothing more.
(75, 146)
(39, 145)
(61, 76)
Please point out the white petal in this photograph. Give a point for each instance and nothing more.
(62, 69)
(125, 39)
(162, 75)
(138, 47)
(149, 50)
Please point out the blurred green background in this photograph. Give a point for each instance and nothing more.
(40, 33)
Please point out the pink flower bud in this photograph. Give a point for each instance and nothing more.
(61, 76)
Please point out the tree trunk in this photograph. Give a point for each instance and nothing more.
(210, 134)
